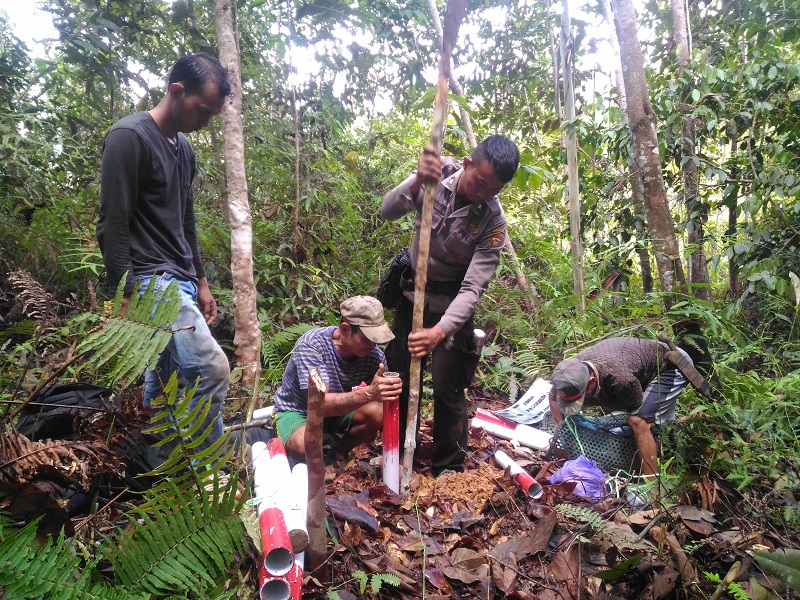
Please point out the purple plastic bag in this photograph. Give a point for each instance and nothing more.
(591, 481)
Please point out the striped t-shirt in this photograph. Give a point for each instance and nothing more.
(315, 350)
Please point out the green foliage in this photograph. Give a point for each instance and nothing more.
(30, 570)
(784, 564)
(733, 588)
(584, 515)
(275, 350)
(131, 343)
(184, 423)
(376, 581)
(181, 542)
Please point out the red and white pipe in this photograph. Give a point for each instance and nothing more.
(391, 445)
(282, 496)
(528, 484)
(509, 430)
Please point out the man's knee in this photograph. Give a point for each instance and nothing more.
(370, 416)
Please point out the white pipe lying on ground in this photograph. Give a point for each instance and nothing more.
(509, 430)
(276, 547)
(528, 484)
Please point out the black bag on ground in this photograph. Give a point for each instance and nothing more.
(54, 412)
(389, 290)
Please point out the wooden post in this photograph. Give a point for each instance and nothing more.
(315, 462)
(455, 14)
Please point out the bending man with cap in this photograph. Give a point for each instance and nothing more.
(627, 374)
(346, 355)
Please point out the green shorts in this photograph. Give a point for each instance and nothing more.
(289, 421)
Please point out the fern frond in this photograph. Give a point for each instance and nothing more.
(187, 429)
(584, 515)
(133, 343)
(378, 579)
(54, 571)
(275, 350)
(181, 542)
(529, 356)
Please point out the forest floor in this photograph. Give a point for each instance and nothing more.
(477, 535)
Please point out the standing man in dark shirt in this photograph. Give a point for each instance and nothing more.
(627, 374)
(147, 226)
(467, 234)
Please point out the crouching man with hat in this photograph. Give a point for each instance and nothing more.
(346, 355)
(622, 374)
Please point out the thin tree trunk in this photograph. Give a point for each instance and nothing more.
(642, 122)
(696, 209)
(637, 187)
(522, 280)
(247, 338)
(297, 250)
(731, 200)
(566, 47)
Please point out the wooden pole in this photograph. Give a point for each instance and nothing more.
(316, 472)
(452, 21)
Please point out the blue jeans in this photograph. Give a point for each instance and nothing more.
(195, 356)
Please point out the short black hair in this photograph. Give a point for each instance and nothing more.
(501, 153)
(194, 71)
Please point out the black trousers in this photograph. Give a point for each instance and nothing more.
(453, 367)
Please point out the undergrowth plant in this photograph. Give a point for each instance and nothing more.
(185, 534)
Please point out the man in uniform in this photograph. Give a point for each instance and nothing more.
(467, 234)
(147, 228)
(346, 356)
(627, 374)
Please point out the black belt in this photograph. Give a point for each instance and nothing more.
(438, 288)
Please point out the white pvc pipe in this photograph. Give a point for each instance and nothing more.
(528, 484)
(509, 430)
(263, 413)
(297, 508)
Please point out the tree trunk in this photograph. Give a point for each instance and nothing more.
(637, 187)
(522, 280)
(298, 252)
(247, 338)
(697, 210)
(567, 54)
(642, 122)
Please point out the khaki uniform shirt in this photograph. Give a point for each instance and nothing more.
(465, 243)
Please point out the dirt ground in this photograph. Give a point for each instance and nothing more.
(477, 535)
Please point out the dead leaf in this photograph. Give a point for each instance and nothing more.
(504, 575)
(466, 565)
(564, 569)
(346, 508)
(663, 583)
(438, 580)
(692, 513)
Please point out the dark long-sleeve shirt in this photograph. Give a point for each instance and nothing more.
(147, 222)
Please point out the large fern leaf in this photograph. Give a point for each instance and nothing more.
(181, 542)
(186, 429)
(122, 347)
(29, 570)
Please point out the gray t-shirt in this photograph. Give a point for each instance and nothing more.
(315, 350)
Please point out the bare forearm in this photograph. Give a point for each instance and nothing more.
(337, 405)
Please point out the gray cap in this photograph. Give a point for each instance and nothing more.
(570, 378)
(367, 313)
